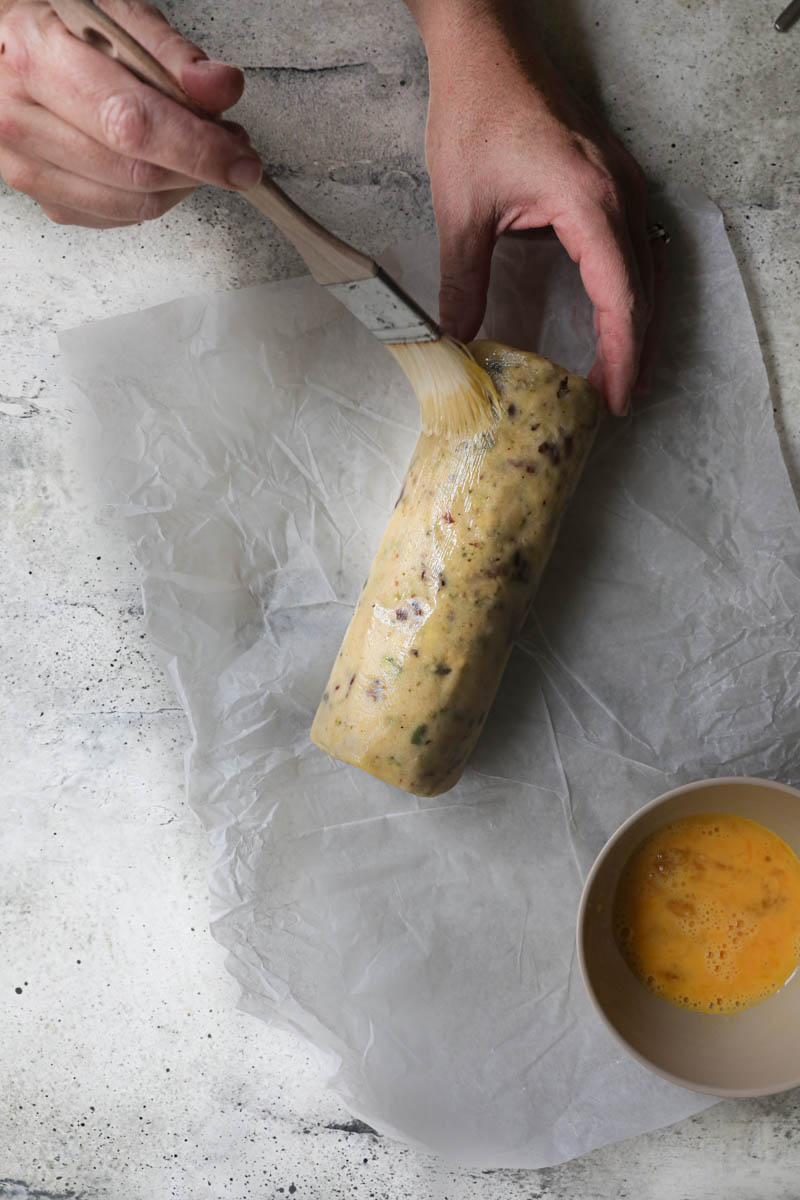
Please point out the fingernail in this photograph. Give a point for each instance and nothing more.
(245, 173)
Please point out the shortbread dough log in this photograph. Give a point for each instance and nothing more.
(454, 577)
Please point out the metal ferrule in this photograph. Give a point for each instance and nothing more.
(386, 311)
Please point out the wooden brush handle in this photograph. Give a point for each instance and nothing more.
(328, 258)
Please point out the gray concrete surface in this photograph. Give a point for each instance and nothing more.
(126, 1073)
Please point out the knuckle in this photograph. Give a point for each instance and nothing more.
(126, 122)
(452, 299)
(16, 57)
(145, 176)
(152, 11)
(607, 192)
(453, 287)
(599, 186)
(172, 43)
(165, 42)
(594, 176)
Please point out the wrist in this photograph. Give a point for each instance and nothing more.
(477, 39)
(453, 27)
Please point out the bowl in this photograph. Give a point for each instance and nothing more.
(755, 1052)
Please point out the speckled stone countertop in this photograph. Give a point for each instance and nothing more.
(125, 1071)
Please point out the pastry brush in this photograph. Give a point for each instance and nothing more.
(456, 396)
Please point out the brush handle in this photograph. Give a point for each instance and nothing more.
(328, 258)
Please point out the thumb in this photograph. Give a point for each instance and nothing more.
(465, 257)
(213, 85)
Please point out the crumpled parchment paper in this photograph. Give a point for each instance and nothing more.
(254, 443)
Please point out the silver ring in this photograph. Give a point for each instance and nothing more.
(657, 233)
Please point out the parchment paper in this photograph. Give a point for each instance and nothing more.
(254, 443)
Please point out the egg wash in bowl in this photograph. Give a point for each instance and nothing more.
(707, 912)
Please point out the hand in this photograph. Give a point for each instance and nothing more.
(89, 142)
(509, 148)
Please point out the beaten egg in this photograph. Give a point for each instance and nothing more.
(707, 912)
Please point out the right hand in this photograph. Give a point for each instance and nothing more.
(94, 146)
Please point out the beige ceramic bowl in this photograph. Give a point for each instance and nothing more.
(751, 1053)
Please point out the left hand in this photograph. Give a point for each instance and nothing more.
(509, 148)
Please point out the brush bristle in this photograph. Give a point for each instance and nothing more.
(456, 396)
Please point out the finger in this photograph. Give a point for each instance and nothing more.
(71, 216)
(213, 85)
(51, 186)
(658, 253)
(603, 250)
(105, 101)
(465, 256)
(32, 132)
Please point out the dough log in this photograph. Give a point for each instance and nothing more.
(453, 579)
